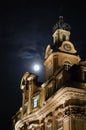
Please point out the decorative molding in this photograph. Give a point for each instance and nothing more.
(63, 95)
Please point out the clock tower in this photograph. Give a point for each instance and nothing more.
(60, 102)
(62, 52)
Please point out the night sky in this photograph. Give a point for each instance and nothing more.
(25, 31)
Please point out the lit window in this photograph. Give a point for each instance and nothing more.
(35, 101)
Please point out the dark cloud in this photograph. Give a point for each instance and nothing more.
(32, 50)
(29, 53)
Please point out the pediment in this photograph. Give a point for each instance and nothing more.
(67, 46)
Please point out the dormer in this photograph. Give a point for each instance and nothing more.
(30, 87)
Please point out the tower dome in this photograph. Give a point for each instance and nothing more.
(61, 25)
(61, 31)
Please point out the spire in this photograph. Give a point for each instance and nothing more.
(61, 25)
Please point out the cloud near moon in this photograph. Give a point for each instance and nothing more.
(30, 52)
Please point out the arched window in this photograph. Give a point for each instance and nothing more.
(64, 37)
(67, 65)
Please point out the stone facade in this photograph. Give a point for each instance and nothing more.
(60, 102)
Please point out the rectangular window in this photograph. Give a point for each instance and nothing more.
(55, 64)
(85, 76)
(35, 104)
(35, 101)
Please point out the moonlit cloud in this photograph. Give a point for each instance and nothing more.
(27, 53)
(31, 51)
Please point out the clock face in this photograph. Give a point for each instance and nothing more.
(67, 47)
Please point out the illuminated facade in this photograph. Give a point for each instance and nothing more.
(60, 102)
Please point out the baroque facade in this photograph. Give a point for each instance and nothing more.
(60, 102)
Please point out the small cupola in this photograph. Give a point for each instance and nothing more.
(61, 31)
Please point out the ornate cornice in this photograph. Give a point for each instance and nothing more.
(61, 96)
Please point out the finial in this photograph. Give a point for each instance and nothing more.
(61, 25)
(61, 18)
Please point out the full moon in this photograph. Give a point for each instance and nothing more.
(36, 67)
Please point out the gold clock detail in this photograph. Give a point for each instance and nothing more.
(67, 47)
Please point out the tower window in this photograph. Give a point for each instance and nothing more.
(55, 64)
(64, 37)
(67, 65)
(84, 76)
(49, 70)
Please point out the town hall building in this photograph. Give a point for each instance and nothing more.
(60, 102)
